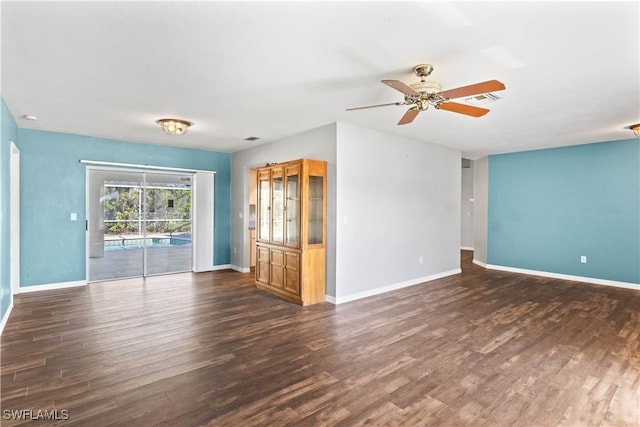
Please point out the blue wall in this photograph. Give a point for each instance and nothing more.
(53, 186)
(549, 207)
(8, 133)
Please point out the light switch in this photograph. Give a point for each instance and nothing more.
(74, 216)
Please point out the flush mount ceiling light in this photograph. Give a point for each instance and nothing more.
(635, 129)
(174, 126)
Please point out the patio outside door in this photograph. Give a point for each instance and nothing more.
(167, 223)
(139, 224)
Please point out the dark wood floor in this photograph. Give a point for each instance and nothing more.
(483, 348)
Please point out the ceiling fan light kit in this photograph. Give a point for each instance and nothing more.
(174, 126)
(419, 96)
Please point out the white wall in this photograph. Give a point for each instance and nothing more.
(480, 208)
(319, 144)
(398, 199)
(466, 215)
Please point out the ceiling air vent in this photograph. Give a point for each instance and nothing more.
(483, 98)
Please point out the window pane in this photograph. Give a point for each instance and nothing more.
(293, 209)
(315, 225)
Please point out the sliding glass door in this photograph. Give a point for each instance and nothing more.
(138, 224)
(168, 223)
(114, 224)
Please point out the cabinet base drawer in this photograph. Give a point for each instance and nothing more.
(277, 292)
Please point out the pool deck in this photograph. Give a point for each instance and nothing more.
(128, 263)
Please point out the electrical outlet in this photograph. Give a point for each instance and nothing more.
(420, 259)
(583, 259)
(234, 250)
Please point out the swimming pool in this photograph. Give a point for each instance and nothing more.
(126, 243)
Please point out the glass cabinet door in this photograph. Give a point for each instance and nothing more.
(316, 210)
(292, 224)
(264, 200)
(277, 206)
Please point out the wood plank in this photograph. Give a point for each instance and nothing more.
(482, 348)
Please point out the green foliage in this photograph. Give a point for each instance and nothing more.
(123, 210)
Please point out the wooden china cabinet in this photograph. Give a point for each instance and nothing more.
(291, 230)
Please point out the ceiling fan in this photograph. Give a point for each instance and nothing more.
(421, 95)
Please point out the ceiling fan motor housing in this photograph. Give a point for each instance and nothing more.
(429, 95)
(429, 91)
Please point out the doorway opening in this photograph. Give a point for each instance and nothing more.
(466, 204)
(14, 215)
(138, 223)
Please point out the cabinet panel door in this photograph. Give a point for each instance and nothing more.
(277, 269)
(292, 272)
(316, 209)
(277, 205)
(264, 206)
(292, 207)
(263, 265)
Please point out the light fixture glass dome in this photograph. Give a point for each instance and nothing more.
(174, 126)
(427, 87)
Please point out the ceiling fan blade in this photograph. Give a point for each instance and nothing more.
(409, 116)
(484, 87)
(378, 105)
(399, 86)
(469, 110)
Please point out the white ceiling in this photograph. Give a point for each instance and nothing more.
(274, 69)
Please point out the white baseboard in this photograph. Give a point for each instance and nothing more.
(240, 269)
(51, 286)
(393, 287)
(466, 248)
(329, 298)
(214, 268)
(480, 263)
(595, 281)
(5, 318)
